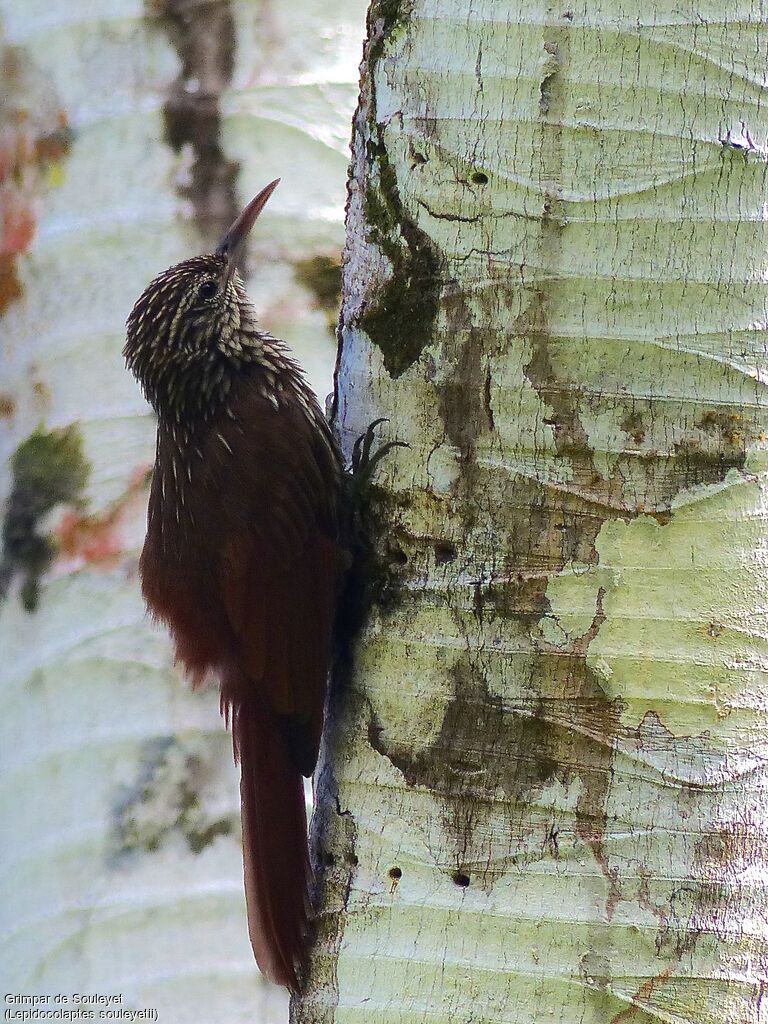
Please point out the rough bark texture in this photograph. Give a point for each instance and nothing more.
(545, 795)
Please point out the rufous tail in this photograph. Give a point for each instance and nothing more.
(275, 854)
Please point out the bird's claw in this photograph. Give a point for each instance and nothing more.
(361, 449)
(363, 462)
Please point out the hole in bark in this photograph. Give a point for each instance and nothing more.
(479, 178)
(395, 873)
(445, 552)
(396, 555)
(460, 879)
(330, 860)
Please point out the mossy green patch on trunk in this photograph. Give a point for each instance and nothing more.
(400, 320)
(400, 317)
(391, 14)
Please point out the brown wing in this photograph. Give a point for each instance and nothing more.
(280, 561)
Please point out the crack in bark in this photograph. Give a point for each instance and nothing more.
(459, 218)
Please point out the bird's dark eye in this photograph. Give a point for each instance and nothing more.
(207, 290)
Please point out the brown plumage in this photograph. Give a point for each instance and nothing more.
(242, 559)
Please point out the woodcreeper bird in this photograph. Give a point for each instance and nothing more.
(242, 557)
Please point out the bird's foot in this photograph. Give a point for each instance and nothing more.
(362, 465)
(364, 462)
(364, 572)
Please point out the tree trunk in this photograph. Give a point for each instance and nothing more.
(129, 137)
(544, 798)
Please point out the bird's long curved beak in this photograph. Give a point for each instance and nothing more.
(232, 244)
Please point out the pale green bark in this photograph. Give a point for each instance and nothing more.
(121, 867)
(545, 795)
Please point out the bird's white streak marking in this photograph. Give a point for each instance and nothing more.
(223, 441)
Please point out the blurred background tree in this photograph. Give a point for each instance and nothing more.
(130, 135)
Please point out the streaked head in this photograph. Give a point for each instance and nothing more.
(188, 318)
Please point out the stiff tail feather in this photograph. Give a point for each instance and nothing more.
(275, 854)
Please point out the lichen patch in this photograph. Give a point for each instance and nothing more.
(169, 798)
